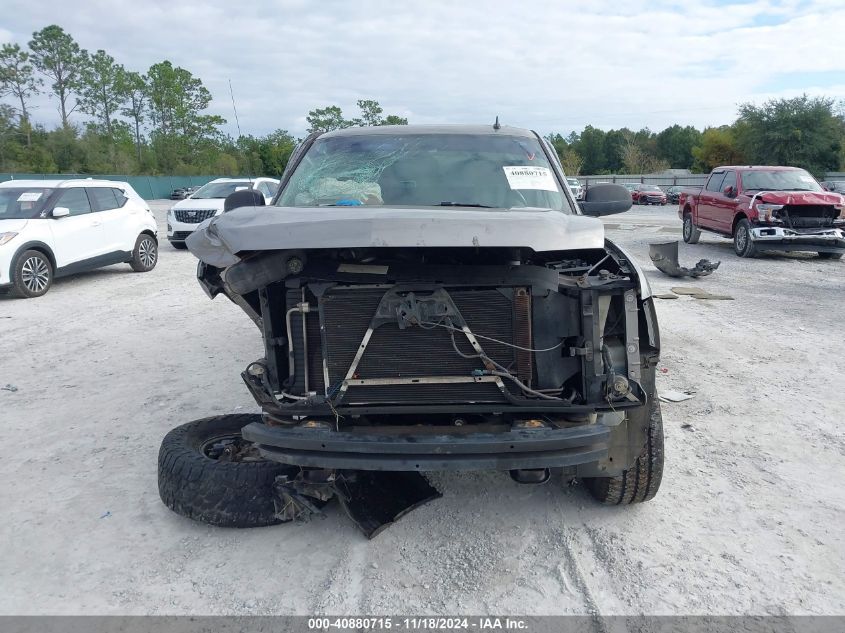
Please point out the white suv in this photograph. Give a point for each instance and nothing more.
(52, 228)
(576, 188)
(184, 216)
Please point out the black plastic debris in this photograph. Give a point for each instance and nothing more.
(302, 496)
(373, 500)
(665, 258)
(376, 499)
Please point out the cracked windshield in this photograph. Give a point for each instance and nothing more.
(426, 170)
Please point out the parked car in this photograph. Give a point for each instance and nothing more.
(834, 185)
(207, 201)
(576, 188)
(401, 337)
(183, 192)
(673, 194)
(648, 194)
(53, 228)
(630, 186)
(765, 208)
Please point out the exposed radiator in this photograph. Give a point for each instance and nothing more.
(410, 353)
(807, 216)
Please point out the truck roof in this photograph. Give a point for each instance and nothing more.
(485, 130)
(758, 168)
(63, 183)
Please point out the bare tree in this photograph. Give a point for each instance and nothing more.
(638, 161)
(571, 162)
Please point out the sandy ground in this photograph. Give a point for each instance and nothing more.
(749, 518)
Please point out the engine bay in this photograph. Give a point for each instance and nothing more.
(435, 331)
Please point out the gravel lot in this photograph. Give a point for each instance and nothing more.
(748, 521)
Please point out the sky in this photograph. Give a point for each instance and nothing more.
(549, 65)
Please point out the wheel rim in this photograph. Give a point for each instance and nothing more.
(687, 228)
(147, 252)
(741, 238)
(35, 274)
(230, 447)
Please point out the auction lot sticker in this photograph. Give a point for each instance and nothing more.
(530, 177)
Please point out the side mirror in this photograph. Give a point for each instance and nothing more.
(60, 212)
(730, 191)
(605, 200)
(243, 198)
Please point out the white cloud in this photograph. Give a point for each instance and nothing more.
(544, 64)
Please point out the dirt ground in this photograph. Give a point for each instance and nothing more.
(748, 520)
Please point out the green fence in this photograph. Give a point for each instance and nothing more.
(148, 187)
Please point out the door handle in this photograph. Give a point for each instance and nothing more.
(96, 223)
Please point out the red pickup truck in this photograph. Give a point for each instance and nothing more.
(766, 209)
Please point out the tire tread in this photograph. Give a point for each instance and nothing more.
(135, 262)
(224, 494)
(18, 287)
(641, 481)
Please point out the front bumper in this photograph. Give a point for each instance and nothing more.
(777, 238)
(415, 450)
(178, 231)
(7, 255)
(178, 236)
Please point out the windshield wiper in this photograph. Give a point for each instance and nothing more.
(461, 204)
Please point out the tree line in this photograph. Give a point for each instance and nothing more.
(803, 131)
(117, 120)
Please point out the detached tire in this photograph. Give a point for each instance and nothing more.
(642, 480)
(195, 485)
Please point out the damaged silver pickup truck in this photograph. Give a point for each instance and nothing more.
(430, 298)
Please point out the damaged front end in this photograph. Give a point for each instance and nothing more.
(433, 298)
(428, 358)
(798, 221)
